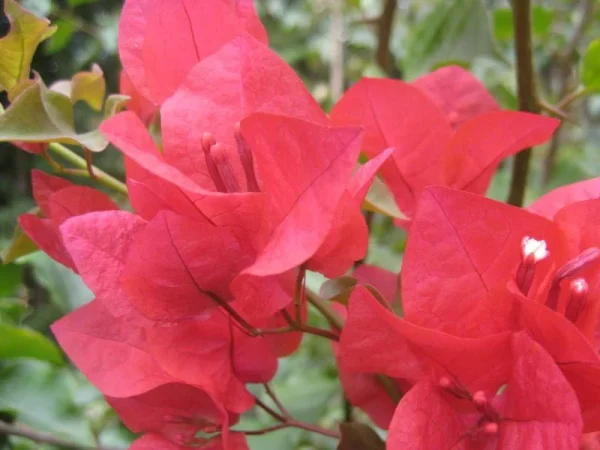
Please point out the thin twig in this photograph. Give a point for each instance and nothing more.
(266, 430)
(293, 423)
(45, 438)
(299, 294)
(304, 328)
(526, 90)
(273, 396)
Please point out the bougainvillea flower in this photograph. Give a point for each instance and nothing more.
(548, 205)
(58, 200)
(160, 41)
(428, 152)
(104, 246)
(452, 282)
(296, 196)
(564, 342)
(456, 402)
(116, 356)
(447, 270)
(453, 258)
(237, 441)
(457, 93)
(242, 78)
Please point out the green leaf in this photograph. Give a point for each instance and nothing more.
(40, 395)
(17, 48)
(25, 343)
(503, 24)
(12, 310)
(380, 199)
(590, 75)
(10, 279)
(541, 22)
(541, 19)
(358, 436)
(20, 245)
(74, 3)
(338, 289)
(89, 87)
(39, 114)
(64, 32)
(67, 290)
(452, 31)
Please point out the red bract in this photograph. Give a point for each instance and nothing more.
(59, 200)
(428, 151)
(294, 196)
(455, 403)
(348, 239)
(155, 185)
(160, 41)
(368, 391)
(176, 411)
(99, 243)
(386, 282)
(457, 93)
(302, 198)
(548, 205)
(242, 78)
(460, 246)
(105, 247)
(177, 266)
(454, 283)
(36, 148)
(365, 390)
(448, 270)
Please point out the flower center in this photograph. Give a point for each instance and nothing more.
(534, 251)
(219, 164)
(490, 418)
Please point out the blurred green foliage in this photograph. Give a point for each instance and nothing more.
(40, 389)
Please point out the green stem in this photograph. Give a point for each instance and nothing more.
(526, 90)
(102, 177)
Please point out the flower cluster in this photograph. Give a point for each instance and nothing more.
(200, 290)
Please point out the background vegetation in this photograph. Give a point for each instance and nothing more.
(331, 43)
